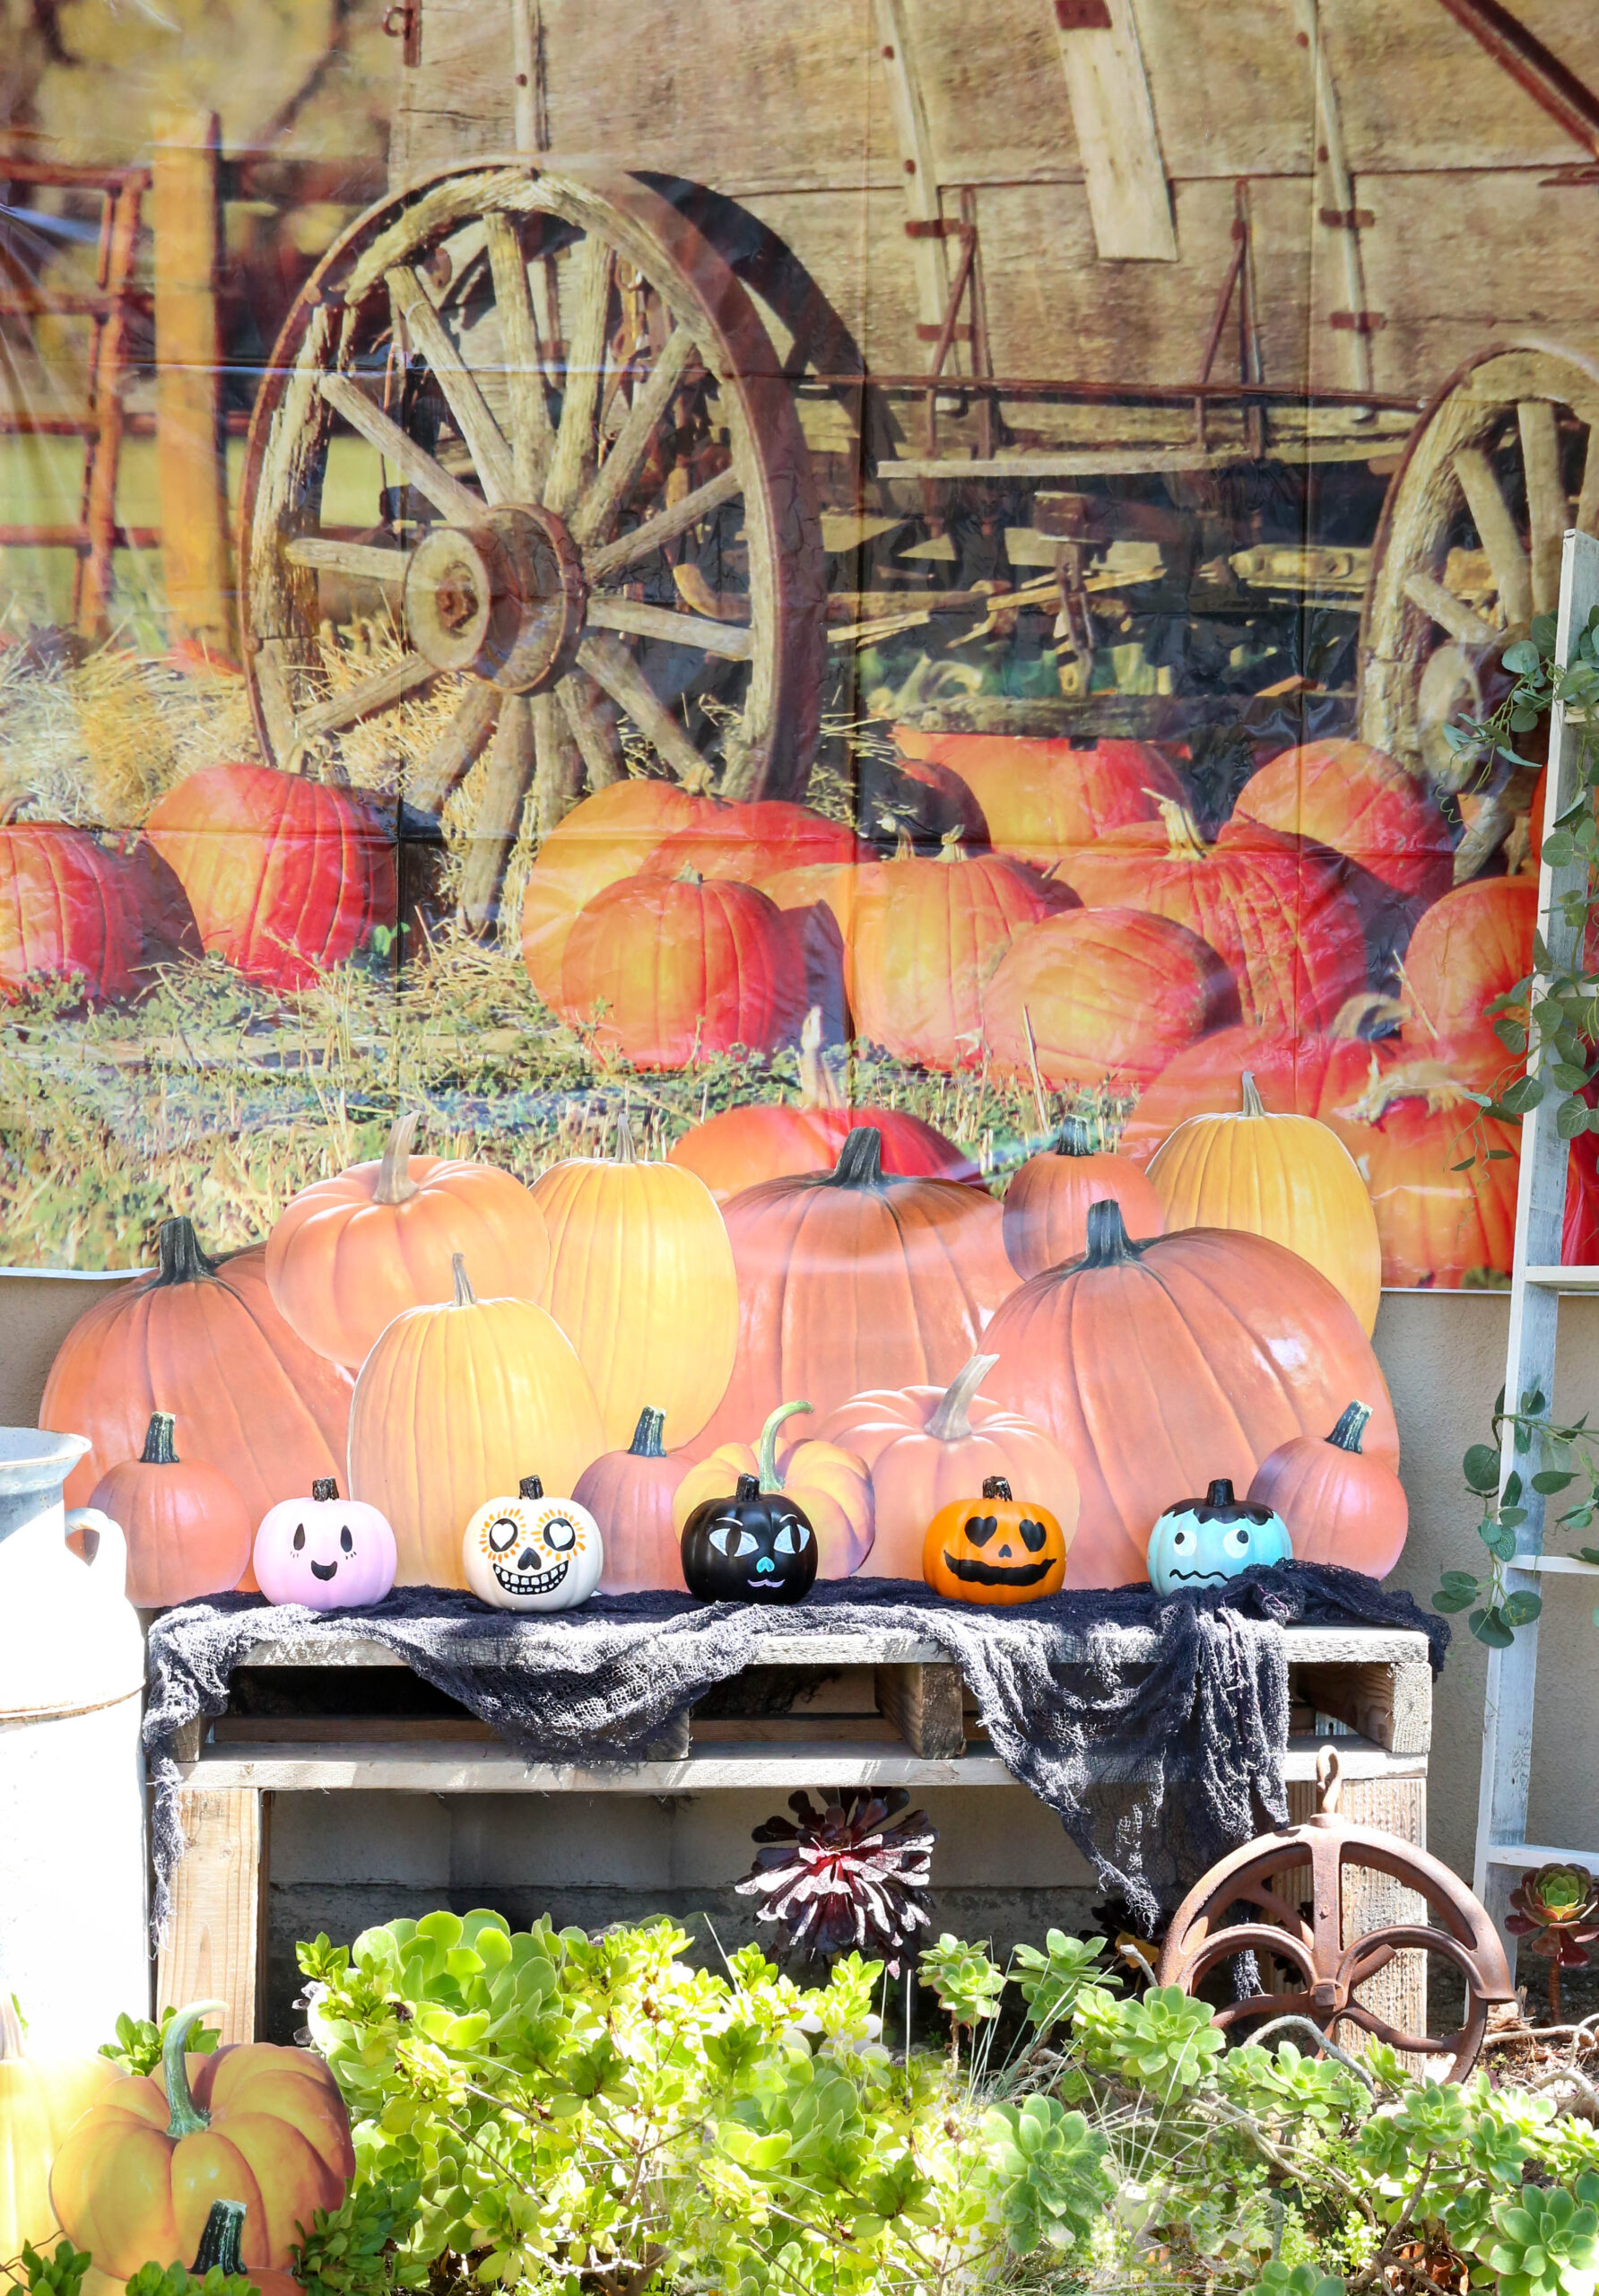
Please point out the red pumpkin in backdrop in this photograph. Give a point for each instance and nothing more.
(1107, 994)
(69, 911)
(1339, 1505)
(1047, 1203)
(670, 969)
(606, 837)
(751, 843)
(201, 1339)
(929, 935)
(855, 1279)
(1157, 1366)
(1270, 906)
(1046, 800)
(1294, 1074)
(769, 1139)
(1355, 801)
(1441, 1226)
(285, 876)
(1469, 948)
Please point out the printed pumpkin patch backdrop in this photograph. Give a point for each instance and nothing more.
(633, 803)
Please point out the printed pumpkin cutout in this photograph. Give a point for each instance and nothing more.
(327, 1553)
(755, 1546)
(186, 1527)
(1339, 1505)
(531, 1554)
(997, 1549)
(1205, 1542)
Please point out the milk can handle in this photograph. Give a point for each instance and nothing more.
(104, 1551)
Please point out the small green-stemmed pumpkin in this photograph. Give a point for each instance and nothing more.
(1205, 1542)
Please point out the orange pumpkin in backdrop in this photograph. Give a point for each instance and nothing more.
(927, 1445)
(1339, 1505)
(854, 1279)
(201, 1339)
(69, 911)
(1047, 1203)
(1439, 1226)
(928, 937)
(351, 1253)
(285, 876)
(1046, 800)
(769, 1139)
(1158, 1366)
(994, 1548)
(630, 1494)
(1108, 994)
(135, 2179)
(1270, 906)
(606, 837)
(750, 843)
(827, 1483)
(187, 1530)
(1355, 801)
(672, 969)
(1469, 948)
(1294, 1074)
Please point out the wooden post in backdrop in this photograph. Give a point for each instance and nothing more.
(186, 216)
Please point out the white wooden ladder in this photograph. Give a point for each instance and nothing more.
(1537, 1280)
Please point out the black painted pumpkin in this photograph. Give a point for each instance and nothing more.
(995, 1549)
(755, 1547)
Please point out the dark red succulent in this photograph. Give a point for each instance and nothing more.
(851, 1876)
(1557, 1910)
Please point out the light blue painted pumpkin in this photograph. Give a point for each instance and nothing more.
(1205, 1542)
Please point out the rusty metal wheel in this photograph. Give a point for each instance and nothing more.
(1298, 1881)
(536, 418)
(1467, 551)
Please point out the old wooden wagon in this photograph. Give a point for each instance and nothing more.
(703, 343)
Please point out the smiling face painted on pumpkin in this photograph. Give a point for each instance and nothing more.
(327, 1553)
(531, 1554)
(756, 1546)
(995, 1549)
(1204, 1543)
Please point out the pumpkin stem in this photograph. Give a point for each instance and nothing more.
(1221, 1493)
(222, 2237)
(625, 1152)
(184, 2117)
(531, 1487)
(949, 1423)
(1183, 840)
(158, 1450)
(1351, 1427)
(394, 1183)
(688, 878)
(995, 1486)
(465, 1297)
(817, 1088)
(1078, 1135)
(181, 1259)
(950, 847)
(1252, 1103)
(747, 1487)
(325, 1487)
(766, 1450)
(860, 1159)
(1109, 1242)
(646, 1436)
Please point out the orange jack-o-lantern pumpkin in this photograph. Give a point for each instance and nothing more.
(995, 1549)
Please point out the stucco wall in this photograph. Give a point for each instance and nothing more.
(338, 1863)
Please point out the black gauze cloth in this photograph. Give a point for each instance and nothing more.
(1154, 1726)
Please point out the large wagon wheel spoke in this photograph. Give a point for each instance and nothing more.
(592, 515)
(1467, 552)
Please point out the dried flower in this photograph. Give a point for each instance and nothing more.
(1557, 1910)
(850, 1877)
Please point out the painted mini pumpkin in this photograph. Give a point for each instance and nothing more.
(532, 1553)
(756, 1546)
(995, 1549)
(329, 1553)
(1205, 1542)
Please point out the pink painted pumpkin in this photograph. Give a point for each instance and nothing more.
(329, 1553)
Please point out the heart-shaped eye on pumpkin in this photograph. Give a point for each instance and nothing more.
(1009, 1552)
(531, 1554)
(502, 1535)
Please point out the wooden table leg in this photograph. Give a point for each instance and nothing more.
(215, 1947)
(927, 1705)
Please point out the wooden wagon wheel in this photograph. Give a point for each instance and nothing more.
(1467, 551)
(1329, 1967)
(599, 508)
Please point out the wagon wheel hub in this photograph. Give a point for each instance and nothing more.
(503, 601)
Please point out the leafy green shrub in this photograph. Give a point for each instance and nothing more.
(137, 2048)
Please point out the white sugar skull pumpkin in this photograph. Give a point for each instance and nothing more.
(531, 1554)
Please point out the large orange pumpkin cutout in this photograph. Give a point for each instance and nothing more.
(1157, 1366)
(1047, 1203)
(188, 1533)
(136, 2178)
(995, 1550)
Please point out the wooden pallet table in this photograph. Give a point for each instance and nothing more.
(902, 1717)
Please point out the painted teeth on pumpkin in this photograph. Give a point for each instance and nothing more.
(516, 1582)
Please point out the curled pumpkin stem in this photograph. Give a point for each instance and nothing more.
(394, 1183)
(766, 1450)
(949, 1423)
(185, 2118)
